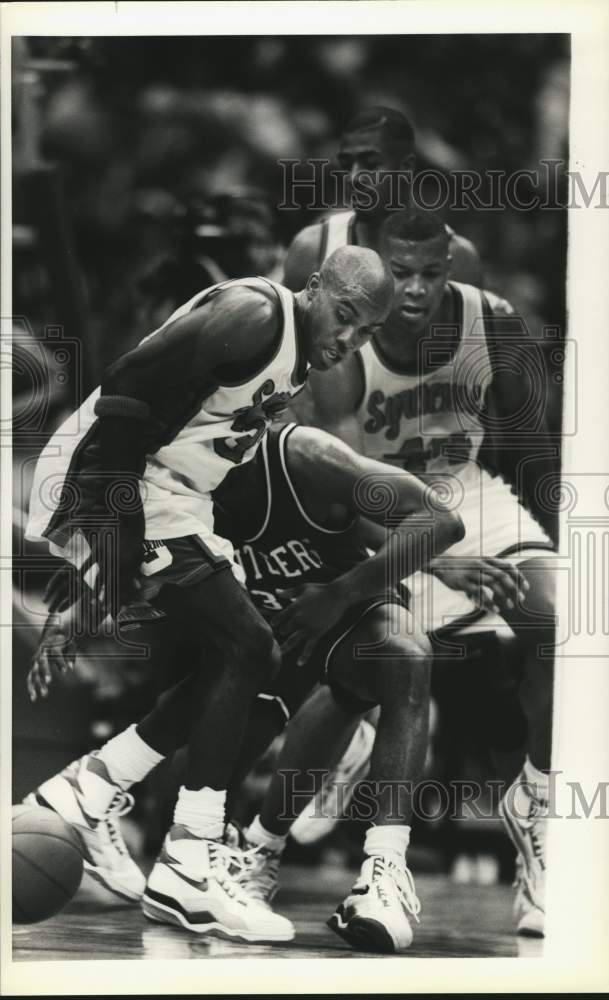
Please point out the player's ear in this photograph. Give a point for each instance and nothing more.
(408, 162)
(449, 263)
(313, 284)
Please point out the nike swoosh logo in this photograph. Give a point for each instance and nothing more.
(202, 884)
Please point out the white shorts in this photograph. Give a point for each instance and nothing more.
(496, 524)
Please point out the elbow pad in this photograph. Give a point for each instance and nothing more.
(122, 406)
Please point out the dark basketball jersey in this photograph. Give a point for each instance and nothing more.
(289, 548)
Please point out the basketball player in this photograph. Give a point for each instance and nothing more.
(395, 401)
(136, 465)
(293, 512)
(377, 145)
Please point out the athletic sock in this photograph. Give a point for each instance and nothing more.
(201, 812)
(390, 841)
(538, 782)
(128, 759)
(259, 836)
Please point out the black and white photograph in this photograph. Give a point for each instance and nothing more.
(306, 530)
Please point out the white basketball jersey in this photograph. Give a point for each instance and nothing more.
(178, 477)
(429, 420)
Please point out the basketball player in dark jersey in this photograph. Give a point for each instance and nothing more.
(432, 392)
(292, 514)
(146, 449)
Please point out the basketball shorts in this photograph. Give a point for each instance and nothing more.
(180, 562)
(496, 524)
(294, 683)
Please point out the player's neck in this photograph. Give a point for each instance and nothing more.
(367, 231)
(301, 321)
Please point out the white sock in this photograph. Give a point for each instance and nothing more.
(539, 782)
(259, 836)
(390, 839)
(128, 759)
(201, 812)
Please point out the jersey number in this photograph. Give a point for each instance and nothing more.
(255, 418)
(413, 456)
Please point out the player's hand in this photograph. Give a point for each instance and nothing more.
(493, 584)
(56, 651)
(314, 609)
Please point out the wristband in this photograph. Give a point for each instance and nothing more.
(121, 406)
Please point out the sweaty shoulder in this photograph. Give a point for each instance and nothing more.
(303, 257)
(465, 266)
(239, 325)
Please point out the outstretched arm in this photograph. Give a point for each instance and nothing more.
(328, 471)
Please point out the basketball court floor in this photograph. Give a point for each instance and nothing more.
(456, 921)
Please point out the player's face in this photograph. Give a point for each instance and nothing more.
(339, 323)
(366, 153)
(419, 274)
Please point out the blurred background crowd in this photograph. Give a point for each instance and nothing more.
(148, 168)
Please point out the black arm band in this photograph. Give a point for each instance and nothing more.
(122, 406)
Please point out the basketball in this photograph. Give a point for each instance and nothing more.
(47, 864)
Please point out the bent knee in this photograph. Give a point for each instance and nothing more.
(253, 645)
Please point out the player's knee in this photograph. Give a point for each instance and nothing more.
(255, 647)
(405, 676)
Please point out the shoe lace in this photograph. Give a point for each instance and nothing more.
(121, 804)
(538, 828)
(401, 881)
(260, 880)
(231, 866)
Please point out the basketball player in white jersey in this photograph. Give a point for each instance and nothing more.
(123, 492)
(376, 145)
(422, 394)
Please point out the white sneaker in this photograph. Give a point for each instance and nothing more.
(525, 818)
(530, 918)
(197, 884)
(322, 813)
(85, 796)
(375, 916)
(261, 881)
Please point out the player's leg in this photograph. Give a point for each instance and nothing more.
(525, 805)
(195, 882)
(378, 912)
(399, 682)
(93, 792)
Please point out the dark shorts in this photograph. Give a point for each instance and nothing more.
(180, 562)
(294, 683)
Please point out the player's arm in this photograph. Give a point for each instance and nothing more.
(517, 443)
(331, 399)
(466, 265)
(328, 471)
(151, 392)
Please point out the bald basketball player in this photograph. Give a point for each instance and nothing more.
(122, 492)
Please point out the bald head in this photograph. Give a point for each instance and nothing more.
(358, 273)
(343, 304)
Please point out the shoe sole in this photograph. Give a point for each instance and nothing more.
(364, 934)
(95, 872)
(530, 932)
(163, 914)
